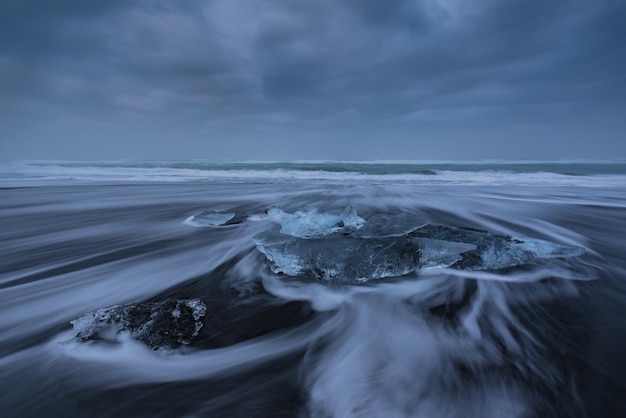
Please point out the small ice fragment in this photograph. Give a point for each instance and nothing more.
(209, 218)
(309, 223)
(350, 220)
(305, 223)
(493, 251)
(519, 251)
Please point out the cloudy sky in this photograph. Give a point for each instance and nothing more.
(312, 79)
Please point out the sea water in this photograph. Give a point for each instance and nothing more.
(86, 244)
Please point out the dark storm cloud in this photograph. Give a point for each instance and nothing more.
(335, 67)
(34, 29)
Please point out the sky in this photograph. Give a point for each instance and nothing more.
(312, 79)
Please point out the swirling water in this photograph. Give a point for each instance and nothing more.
(546, 338)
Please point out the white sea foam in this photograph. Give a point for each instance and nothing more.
(383, 358)
(131, 362)
(12, 174)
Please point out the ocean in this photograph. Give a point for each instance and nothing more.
(313, 289)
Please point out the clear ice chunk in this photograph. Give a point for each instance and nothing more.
(494, 252)
(209, 218)
(338, 258)
(309, 223)
(353, 258)
(349, 259)
(350, 220)
(164, 325)
(521, 251)
(440, 254)
(345, 248)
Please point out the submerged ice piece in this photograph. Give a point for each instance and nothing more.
(309, 223)
(346, 259)
(212, 218)
(164, 325)
(494, 252)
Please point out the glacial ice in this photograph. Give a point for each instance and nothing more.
(164, 325)
(346, 259)
(350, 221)
(440, 254)
(494, 252)
(387, 246)
(209, 218)
(388, 225)
(309, 223)
(338, 258)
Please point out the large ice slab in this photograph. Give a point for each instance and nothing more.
(345, 248)
(310, 223)
(165, 325)
(355, 259)
(338, 258)
(346, 259)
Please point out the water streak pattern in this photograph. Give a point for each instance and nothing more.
(523, 319)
